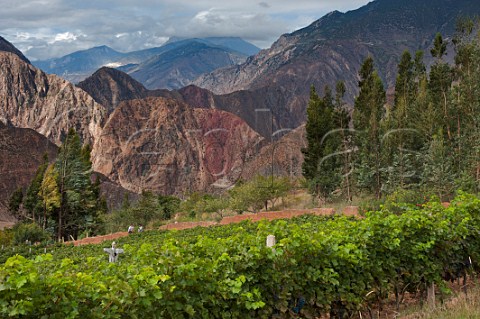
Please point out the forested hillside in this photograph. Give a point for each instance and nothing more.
(427, 141)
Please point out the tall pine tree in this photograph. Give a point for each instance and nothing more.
(79, 202)
(320, 163)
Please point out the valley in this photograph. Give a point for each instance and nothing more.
(367, 120)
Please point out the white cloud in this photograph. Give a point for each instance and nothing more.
(48, 28)
(64, 37)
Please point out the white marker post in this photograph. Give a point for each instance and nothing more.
(113, 253)
(271, 241)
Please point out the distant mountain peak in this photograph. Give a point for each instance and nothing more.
(109, 87)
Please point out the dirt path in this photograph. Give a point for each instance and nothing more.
(289, 213)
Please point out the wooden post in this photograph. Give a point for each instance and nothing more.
(271, 241)
(431, 295)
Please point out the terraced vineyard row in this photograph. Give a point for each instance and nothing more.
(319, 265)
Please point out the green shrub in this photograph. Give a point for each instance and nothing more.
(30, 232)
(6, 237)
(404, 199)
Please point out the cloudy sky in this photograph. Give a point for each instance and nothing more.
(51, 28)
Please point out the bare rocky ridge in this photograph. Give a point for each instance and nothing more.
(46, 103)
(168, 147)
(8, 47)
(109, 87)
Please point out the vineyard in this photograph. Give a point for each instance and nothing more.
(321, 265)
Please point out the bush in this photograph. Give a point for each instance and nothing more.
(30, 232)
(403, 199)
(6, 237)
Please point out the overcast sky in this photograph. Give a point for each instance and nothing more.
(51, 28)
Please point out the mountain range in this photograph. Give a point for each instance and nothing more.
(150, 66)
(235, 121)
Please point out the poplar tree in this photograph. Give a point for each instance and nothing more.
(368, 112)
(49, 193)
(439, 85)
(345, 148)
(401, 141)
(466, 105)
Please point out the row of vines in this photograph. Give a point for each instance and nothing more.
(319, 265)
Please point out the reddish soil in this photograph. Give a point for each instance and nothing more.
(98, 239)
(289, 213)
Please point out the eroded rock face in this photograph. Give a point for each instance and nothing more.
(109, 87)
(21, 152)
(282, 157)
(30, 98)
(166, 146)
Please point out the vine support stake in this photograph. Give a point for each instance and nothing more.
(431, 295)
(271, 241)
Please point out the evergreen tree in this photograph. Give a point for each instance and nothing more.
(32, 202)
(320, 163)
(368, 112)
(402, 140)
(439, 85)
(15, 201)
(345, 148)
(314, 135)
(79, 204)
(169, 205)
(438, 174)
(466, 105)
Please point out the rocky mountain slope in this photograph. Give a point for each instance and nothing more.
(21, 152)
(50, 105)
(233, 43)
(78, 65)
(168, 147)
(178, 67)
(333, 48)
(8, 47)
(109, 87)
(146, 143)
